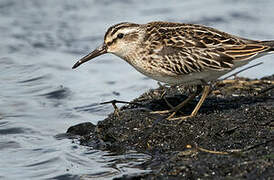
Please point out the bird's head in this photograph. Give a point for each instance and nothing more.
(120, 39)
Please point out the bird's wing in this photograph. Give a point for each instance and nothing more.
(245, 51)
(197, 36)
(188, 48)
(188, 60)
(194, 59)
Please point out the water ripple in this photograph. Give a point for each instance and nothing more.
(34, 79)
(94, 107)
(61, 93)
(41, 162)
(41, 96)
(66, 177)
(9, 145)
(12, 131)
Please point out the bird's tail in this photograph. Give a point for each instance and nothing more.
(270, 44)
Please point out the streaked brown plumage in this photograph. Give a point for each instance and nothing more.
(177, 53)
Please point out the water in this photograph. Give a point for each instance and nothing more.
(41, 96)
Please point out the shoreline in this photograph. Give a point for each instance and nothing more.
(231, 137)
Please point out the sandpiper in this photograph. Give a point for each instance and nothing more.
(178, 53)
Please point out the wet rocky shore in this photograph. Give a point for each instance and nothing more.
(231, 137)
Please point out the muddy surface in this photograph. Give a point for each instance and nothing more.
(231, 137)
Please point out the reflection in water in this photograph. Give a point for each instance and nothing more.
(41, 96)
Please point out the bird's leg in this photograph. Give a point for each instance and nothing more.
(182, 104)
(175, 109)
(168, 103)
(164, 111)
(198, 106)
(163, 95)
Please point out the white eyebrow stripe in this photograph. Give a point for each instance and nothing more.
(126, 30)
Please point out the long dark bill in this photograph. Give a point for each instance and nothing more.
(97, 52)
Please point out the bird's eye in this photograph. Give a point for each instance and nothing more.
(120, 35)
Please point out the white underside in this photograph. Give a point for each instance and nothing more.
(192, 78)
